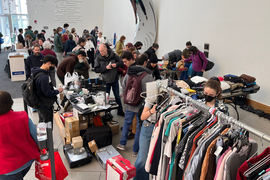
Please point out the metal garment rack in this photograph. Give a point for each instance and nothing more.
(220, 114)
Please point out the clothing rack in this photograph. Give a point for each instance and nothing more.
(220, 114)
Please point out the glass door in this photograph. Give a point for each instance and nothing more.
(5, 30)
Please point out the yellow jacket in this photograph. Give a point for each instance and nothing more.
(119, 48)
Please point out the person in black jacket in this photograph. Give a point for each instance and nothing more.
(34, 60)
(43, 32)
(152, 50)
(46, 93)
(152, 65)
(94, 32)
(107, 63)
(20, 37)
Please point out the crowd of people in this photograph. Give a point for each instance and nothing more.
(69, 52)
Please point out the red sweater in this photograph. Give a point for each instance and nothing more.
(17, 147)
(46, 52)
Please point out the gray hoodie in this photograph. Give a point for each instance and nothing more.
(132, 70)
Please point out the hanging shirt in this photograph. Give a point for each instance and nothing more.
(245, 166)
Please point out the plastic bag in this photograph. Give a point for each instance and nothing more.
(70, 78)
(43, 168)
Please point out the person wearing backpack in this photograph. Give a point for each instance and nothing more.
(44, 89)
(133, 84)
(107, 63)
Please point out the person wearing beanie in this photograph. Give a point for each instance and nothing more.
(152, 65)
(129, 45)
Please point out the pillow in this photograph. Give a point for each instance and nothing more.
(224, 85)
(198, 79)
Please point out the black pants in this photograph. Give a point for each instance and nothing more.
(45, 114)
(62, 79)
(17, 176)
(91, 56)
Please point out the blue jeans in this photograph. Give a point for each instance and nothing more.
(145, 138)
(115, 89)
(127, 122)
(184, 74)
(17, 176)
(196, 73)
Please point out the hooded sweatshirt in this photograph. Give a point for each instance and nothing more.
(137, 70)
(45, 89)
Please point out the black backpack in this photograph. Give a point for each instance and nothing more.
(29, 92)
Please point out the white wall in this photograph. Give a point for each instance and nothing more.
(238, 33)
(119, 18)
(86, 16)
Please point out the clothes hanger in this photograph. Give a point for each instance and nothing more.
(257, 165)
(259, 148)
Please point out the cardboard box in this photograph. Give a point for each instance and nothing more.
(114, 128)
(61, 96)
(93, 146)
(72, 124)
(83, 125)
(60, 126)
(119, 168)
(70, 135)
(77, 142)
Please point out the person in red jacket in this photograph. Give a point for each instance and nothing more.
(18, 140)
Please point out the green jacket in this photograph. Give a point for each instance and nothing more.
(58, 45)
(31, 33)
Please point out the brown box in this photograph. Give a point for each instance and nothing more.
(83, 125)
(77, 142)
(61, 96)
(60, 126)
(70, 135)
(114, 128)
(93, 146)
(72, 124)
(83, 122)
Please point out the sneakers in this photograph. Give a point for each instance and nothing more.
(131, 136)
(121, 147)
(121, 114)
(135, 154)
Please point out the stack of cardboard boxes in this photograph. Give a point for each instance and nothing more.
(71, 128)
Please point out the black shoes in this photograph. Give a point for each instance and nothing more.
(121, 114)
(131, 136)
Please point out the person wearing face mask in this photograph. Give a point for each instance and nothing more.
(68, 65)
(48, 51)
(46, 93)
(34, 60)
(212, 95)
(119, 48)
(138, 46)
(152, 65)
(152, 50)
(58, 45)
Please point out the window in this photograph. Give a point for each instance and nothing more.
(13, 15)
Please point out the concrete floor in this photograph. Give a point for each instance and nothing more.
(94, 171)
